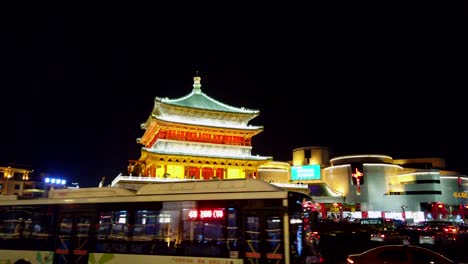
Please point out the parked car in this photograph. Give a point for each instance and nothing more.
(398, 254)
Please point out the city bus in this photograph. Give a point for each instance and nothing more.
(200, 222)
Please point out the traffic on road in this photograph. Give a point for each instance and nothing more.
(350, 242)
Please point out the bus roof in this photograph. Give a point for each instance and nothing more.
(216, 186)
(168, 191)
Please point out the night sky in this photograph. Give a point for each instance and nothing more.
(77, 81)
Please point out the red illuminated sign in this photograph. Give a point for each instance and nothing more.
(193, 214)
(206, 214)
(358, 176)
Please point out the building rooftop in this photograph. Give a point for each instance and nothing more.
(197, 99)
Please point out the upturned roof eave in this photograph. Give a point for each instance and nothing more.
(201, 101)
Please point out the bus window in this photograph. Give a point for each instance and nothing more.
(103, 230)
(82, 229)
(274, 238)
(204, 232)
(119, 231)
(252, 238)
(30, 224)
(232, 231)
(65, 227)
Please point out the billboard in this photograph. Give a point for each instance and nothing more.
(305, 173)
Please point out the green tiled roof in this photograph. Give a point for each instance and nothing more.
(197, 99)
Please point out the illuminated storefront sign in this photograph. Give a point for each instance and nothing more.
(308, 172)
(206, 214)
(357, 175)
(460, 195)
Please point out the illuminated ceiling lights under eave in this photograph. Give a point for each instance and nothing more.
(361, 156)
(205, 122)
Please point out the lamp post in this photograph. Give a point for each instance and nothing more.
(8, 174)
(403, 213)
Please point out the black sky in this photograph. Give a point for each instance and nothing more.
(77, 81)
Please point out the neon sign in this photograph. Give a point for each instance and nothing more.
(206, 214)
(460, 195)
(357, 175)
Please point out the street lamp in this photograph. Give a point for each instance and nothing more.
(7, 175)
(403, 213)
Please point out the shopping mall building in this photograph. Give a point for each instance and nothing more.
(371, 185)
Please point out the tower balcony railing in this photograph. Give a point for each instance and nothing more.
(146, 179)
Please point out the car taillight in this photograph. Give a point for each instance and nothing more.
(450, 230)
(316, 234)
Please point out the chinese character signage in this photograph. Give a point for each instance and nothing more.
(303, 173)
(206, 214)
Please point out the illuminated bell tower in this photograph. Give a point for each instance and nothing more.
(197, 137)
